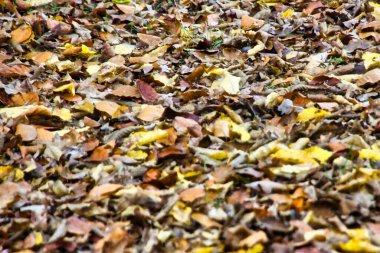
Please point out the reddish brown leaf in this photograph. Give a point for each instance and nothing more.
(147, 92)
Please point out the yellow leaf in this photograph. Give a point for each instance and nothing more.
(293, 156)
(205, 250)
(145, 137)
(376, 11)
(212, 153)
(358, 233)
(181, 212)
(236, 129)
(86, 51)
(359, 246)
(192, 174)
(228, 83)
(311, 113)
(9, 172)
(66, 87)
(371, 60)
(259, 47)
(39, 239)
(64, 114)
(258, 248)
(265, 150)
(318, 153)
(137, 154)
(370, 154)
(288, 13)
(85, 106)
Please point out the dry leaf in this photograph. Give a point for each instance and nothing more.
(23, 34)
(27, 132)
(108, 107)
(151, 112)
(147, 92)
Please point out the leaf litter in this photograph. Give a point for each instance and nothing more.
(189, 126)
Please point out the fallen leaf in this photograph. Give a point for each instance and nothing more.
(371, 60)
(147, 92)
(103, 191)
(27, 132)
(191, 194)
(126, 91)
(23, 34)
(108, 107)
(145, 137)
(151, 112)
(124, 49)
(311, 113)
(248, 23)
(228, 83)
(372, 76)
(151, 56)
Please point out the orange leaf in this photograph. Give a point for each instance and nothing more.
(248, 23)
(25, 98)
(192, 194)
(23, 34)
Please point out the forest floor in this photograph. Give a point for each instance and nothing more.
(202, 126)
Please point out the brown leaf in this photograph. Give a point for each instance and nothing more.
(103, 191)
(14, 71)
(151, 112)
(147, 92)
(191, 194)
(312, 6)
(126, 91)
(27, 132)
(205, 221)
(196, 74)
(372, 76)
(115, 241)
(172, 25)
(222, 173)
(58, 27)
(77, 226)
(149, 39)
(183, 125)
(126, 9)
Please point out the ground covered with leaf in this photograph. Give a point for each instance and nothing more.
(201, 126)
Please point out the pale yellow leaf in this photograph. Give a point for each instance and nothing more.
(228, 83)
(124, 49)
